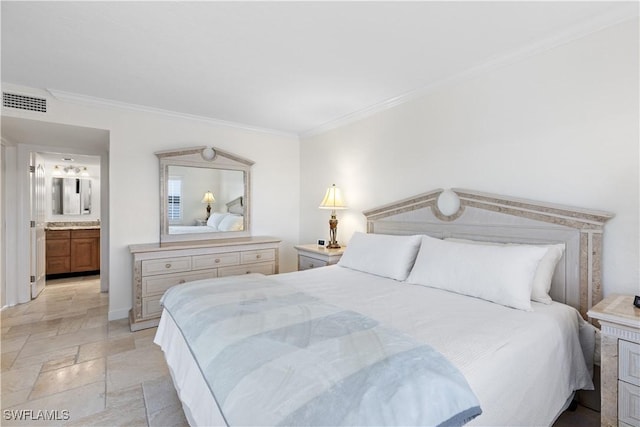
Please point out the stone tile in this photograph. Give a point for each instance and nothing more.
(83, 336)
(13, 344)
(119, 327)
(35, 327)
(131, 414)
(15, 398)
(42, 358)
(7, 359)
(59, 363)
(80, 402)
(67, 378)
(16, 310)
(134, 367)
(22, 319)
(119, 398)
(94, 321)
(18, 379)
(162, 403)
(72, 324)
(105, 348)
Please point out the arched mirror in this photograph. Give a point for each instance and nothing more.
(204, 195)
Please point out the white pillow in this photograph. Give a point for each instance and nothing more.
(381, 254)
(501, 274)
(215, 219)
(544, 272)
(231, 222)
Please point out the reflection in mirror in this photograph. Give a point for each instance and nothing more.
(71, 196)
(204, 194)
(191, 190)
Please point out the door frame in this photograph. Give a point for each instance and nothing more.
(21, 256)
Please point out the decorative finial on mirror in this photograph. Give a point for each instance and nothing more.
(448, 203)
(208, 153)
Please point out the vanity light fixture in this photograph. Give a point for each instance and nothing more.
(84, 172)
(57, 171)
(208, 199)
(71, 170)
(333, 200)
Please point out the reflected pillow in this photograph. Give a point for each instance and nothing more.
(501, 274)
(544, 272)
(381, 254)
(215, 219)
(231, 222)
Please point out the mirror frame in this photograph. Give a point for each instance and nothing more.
(195, 157)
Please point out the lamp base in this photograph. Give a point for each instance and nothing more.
(332, 245)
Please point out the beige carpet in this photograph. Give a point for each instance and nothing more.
(162, 404)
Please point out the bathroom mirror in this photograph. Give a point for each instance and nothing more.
(204, 195)
(71, 196)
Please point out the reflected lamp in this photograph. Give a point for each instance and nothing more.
(208, 199)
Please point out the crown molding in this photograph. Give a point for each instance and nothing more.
(628, 11)
(118, 105)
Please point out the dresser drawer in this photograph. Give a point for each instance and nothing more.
(305, 263)
(265, 268)
(215, 260)
(166, 265)
(154, 285)
(151, 306)
(628, 404)
(629, 362)
(258, 256)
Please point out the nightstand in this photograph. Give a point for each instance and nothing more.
(313, 256)
(620, 360)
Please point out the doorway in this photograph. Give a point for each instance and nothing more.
(20, 138)
(71, 214)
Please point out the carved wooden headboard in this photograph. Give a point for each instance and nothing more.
(577, 280)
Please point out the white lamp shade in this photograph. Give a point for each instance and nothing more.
(333, 199)
(208, 197)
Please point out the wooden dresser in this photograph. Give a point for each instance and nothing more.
(158, 267)
(74, 250)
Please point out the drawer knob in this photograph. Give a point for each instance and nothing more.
(311, 265)
(248, 272)
(258, 256)
(167, 265)
(217, 260)
(182, 281)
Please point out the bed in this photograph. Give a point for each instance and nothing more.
(232, 220)
(522, 360)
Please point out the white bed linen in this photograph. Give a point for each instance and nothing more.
(188, 229)
(523, 366)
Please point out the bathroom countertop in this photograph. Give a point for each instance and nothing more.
(73, 225)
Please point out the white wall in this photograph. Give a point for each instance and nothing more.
(560, 126)
(134, 174)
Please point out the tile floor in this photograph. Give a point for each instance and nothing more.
(59, 353)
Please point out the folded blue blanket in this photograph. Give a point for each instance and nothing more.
(272, 355)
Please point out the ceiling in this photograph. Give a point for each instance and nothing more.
(292, 67)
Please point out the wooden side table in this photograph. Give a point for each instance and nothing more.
(313, 256)
(620, 360)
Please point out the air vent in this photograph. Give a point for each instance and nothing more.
(22, 102)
